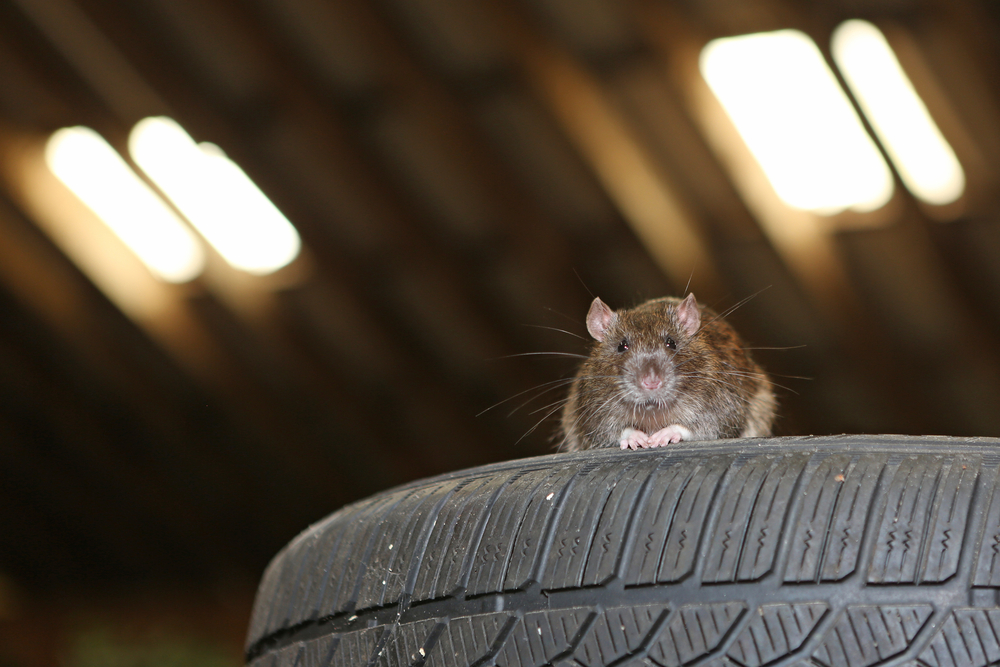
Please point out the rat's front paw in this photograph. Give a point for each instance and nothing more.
(668, 436)
(634, 439)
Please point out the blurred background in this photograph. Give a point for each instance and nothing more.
(262, 258)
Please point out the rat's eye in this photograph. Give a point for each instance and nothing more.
(670, 343)
(622, 346)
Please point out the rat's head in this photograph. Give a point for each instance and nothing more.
(646, 349)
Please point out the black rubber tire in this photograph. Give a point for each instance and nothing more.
(837, 551)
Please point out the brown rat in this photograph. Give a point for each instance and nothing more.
(665, 371)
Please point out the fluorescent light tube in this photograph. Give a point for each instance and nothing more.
(216, 196)
(90, 167)
(926, 163)
(797, 121)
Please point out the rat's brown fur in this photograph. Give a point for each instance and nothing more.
(710, 384)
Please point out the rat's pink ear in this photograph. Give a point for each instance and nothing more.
(600, 318)
(688, 315)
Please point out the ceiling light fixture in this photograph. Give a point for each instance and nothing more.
(94, 172)
(926, 163)
(797, 122)
(216, 196)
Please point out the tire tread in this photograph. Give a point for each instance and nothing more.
(850, 551)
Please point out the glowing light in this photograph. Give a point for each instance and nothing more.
(926, 162)
(216, 196)
(90, 167)
(797, 121)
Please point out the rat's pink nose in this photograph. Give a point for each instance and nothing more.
(652, 382)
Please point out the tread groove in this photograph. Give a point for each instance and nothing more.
(548, 534)
(932, 503)
(831, 517)
(470, 557)
(497, 644)
(674, 507)
(628, 539)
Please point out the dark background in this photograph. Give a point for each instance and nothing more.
(465, 176)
